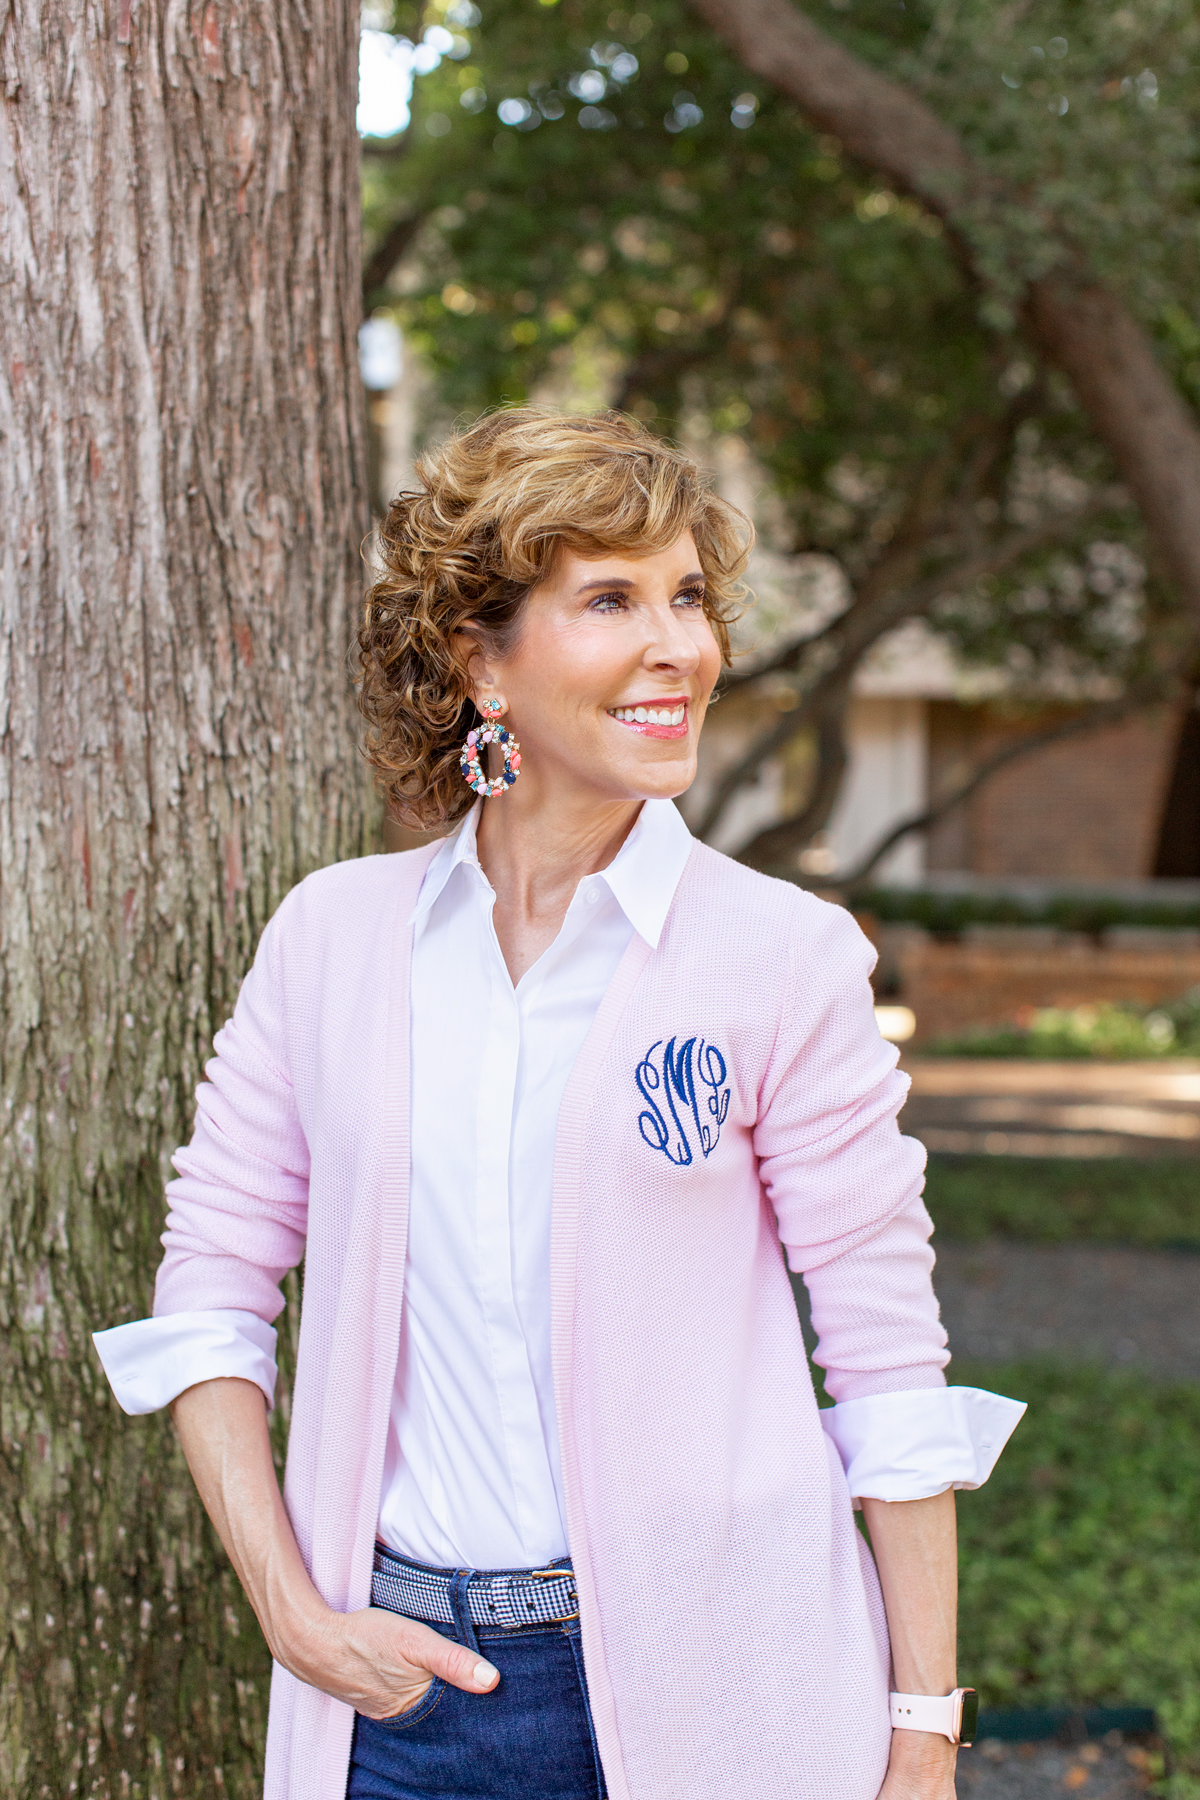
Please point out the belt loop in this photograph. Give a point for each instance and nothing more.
(460, 1582)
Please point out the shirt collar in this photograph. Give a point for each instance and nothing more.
(642, 877)
(458, 848)
(646, 870)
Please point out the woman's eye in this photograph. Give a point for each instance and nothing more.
(690, 597)
(608, 603)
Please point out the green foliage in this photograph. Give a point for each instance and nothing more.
(686, 243)
(1113, 170)
(1153, 1202)
(947, 913)
(1104, 1030)
(731, 254)
(1080, 1558)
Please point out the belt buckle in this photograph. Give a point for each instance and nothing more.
(555, 1575)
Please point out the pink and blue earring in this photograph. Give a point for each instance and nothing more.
(490, 732)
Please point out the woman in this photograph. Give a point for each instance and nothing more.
(537, 1106)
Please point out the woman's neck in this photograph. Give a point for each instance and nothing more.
(535, 856)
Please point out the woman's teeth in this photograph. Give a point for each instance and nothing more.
(648, 715)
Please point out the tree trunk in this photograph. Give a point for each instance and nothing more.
(1079, 325)
(183, 502)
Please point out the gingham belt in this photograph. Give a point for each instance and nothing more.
(506, 1597)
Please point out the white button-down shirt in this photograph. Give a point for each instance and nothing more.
(471, 1474)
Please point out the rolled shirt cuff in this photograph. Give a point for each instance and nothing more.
(150, 1362)
(917, 1443)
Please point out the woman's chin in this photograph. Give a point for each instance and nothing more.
(663, 780)
(651, 771)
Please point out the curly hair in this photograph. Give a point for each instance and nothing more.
(496, 506)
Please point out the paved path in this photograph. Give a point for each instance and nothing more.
(1135, 1308)
(1002, 1301)
(1107, 1771)
(996, 1106)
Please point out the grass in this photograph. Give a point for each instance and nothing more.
(1154, 1203)
(1081, 1555)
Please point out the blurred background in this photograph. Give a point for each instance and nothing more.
(964, 700)
(917, 282)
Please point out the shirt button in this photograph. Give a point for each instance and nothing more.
(593, 896)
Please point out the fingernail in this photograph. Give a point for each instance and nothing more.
(485, 1675)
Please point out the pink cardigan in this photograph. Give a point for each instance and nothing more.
(733, 1092)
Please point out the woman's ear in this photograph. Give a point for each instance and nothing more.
(478, 668)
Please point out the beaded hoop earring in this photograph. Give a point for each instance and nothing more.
(491, 732)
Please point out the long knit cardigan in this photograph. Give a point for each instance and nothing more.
(733, 1093)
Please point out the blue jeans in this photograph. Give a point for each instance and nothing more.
(531, 1738)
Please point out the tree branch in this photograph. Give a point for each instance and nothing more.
(892, 570)
(653, 366)
(387, 253)
(878, 121)
(766, 744)
(789, 655)
(861, 626)
(771, 845)
(1079, 324)
(916, 597)
(1103, 712)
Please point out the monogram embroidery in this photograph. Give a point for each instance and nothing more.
(686, 1101)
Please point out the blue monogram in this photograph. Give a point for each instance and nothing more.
(686, 1101)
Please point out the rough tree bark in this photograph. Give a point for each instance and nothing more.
(1080, 325)
(182, 463)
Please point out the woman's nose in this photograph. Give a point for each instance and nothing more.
(672, 645)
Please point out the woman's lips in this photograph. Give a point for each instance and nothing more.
(658, 719)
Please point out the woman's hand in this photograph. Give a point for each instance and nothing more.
(920, 1767)
(380, 1664)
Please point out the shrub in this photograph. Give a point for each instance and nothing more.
(1103, 1030)
(948, 913)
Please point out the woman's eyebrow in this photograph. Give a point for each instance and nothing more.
(623, 581)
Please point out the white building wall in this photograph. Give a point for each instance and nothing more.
(751, 810)
(886, 781)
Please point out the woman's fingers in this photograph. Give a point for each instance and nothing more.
(443, 1659)
(382, 1664)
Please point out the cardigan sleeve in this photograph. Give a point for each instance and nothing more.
(239, 1208)
(237, 1219)
(845, 1185)
(846, 1189)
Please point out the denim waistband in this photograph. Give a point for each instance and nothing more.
(504, 1597)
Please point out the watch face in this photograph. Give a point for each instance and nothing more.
(970, 1716)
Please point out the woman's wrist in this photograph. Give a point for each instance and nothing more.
(304, 1640)
(298, 1624)
(920, 1767)
(922, 1749)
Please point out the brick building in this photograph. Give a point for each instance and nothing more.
(1117, 804)
(1091, 808)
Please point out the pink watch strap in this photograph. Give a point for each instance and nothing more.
(929, 1712)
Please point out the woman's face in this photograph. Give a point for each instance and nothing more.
(608, 682)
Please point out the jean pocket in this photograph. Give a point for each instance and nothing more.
(415, 1715)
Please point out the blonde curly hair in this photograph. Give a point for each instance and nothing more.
(496, 506)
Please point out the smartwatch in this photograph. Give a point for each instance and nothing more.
(954, 1716)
